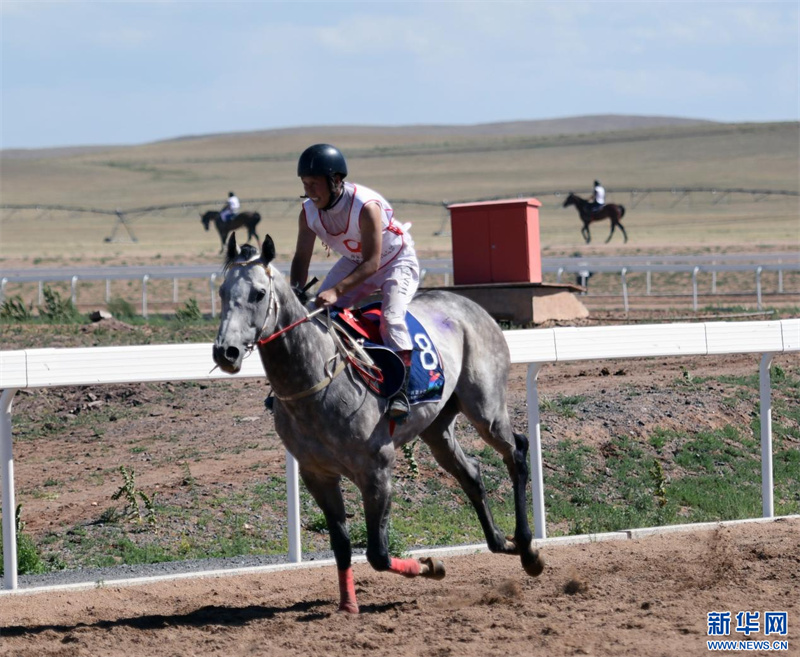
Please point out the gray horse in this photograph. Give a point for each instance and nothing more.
(335, 426)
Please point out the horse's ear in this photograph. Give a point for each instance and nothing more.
(233, 250)
(268, 250)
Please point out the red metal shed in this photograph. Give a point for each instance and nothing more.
(496, 242)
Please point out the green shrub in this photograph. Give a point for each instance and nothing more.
(14, 309)
(121, 309)
(57, 310)
(28, 560)
(190, 312)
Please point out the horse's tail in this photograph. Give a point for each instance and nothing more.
(256, 218)
(621, 211)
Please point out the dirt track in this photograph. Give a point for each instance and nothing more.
(635, 597)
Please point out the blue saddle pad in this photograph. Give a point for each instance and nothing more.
(426, 381)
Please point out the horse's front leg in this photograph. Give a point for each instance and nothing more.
(377, 495)
(327, 492)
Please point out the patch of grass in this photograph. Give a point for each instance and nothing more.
(563, 405)
(660, 437)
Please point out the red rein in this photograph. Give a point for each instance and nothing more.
(283, 330)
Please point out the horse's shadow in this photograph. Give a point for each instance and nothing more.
(204, 616)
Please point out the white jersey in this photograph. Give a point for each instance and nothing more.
(600, 195)
(233, 204)
(339, 227)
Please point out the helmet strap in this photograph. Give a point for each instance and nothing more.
(336, 193)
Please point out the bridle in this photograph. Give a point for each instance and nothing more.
(331, 372)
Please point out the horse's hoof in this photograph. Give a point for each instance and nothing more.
(432, 568)
(533, 563)
(348, 608)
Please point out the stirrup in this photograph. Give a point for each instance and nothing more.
(399, 408)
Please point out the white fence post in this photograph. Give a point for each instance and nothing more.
(622, 275)
(694, 288)
(767, 505)
(535, 437)
(74, 289)
(758, 287)
(9, 502)
(293, 508)
(145, 278)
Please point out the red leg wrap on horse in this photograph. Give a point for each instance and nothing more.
(347, 592)
(407, 567)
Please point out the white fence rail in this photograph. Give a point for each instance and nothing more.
(574, 268)
(45, 368)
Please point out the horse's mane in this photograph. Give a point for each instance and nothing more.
(247, 253)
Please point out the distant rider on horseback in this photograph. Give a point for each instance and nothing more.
(598, 198)
(231, 208)
(377, 253)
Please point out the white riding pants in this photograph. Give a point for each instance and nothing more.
(397, 283)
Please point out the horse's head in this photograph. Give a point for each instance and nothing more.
(570, 200)
(249, 302)
(206, 218)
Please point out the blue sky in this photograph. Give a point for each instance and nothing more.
(108, 72)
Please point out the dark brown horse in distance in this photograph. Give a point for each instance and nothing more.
(611, 211)
(247, 220)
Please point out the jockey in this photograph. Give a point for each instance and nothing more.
(231, 207)
(598, 197)
(377, 254)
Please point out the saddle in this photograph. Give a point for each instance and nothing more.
(426, 380)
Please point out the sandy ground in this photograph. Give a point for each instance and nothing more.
(649, 596)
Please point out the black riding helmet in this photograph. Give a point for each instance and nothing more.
(323, 160)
